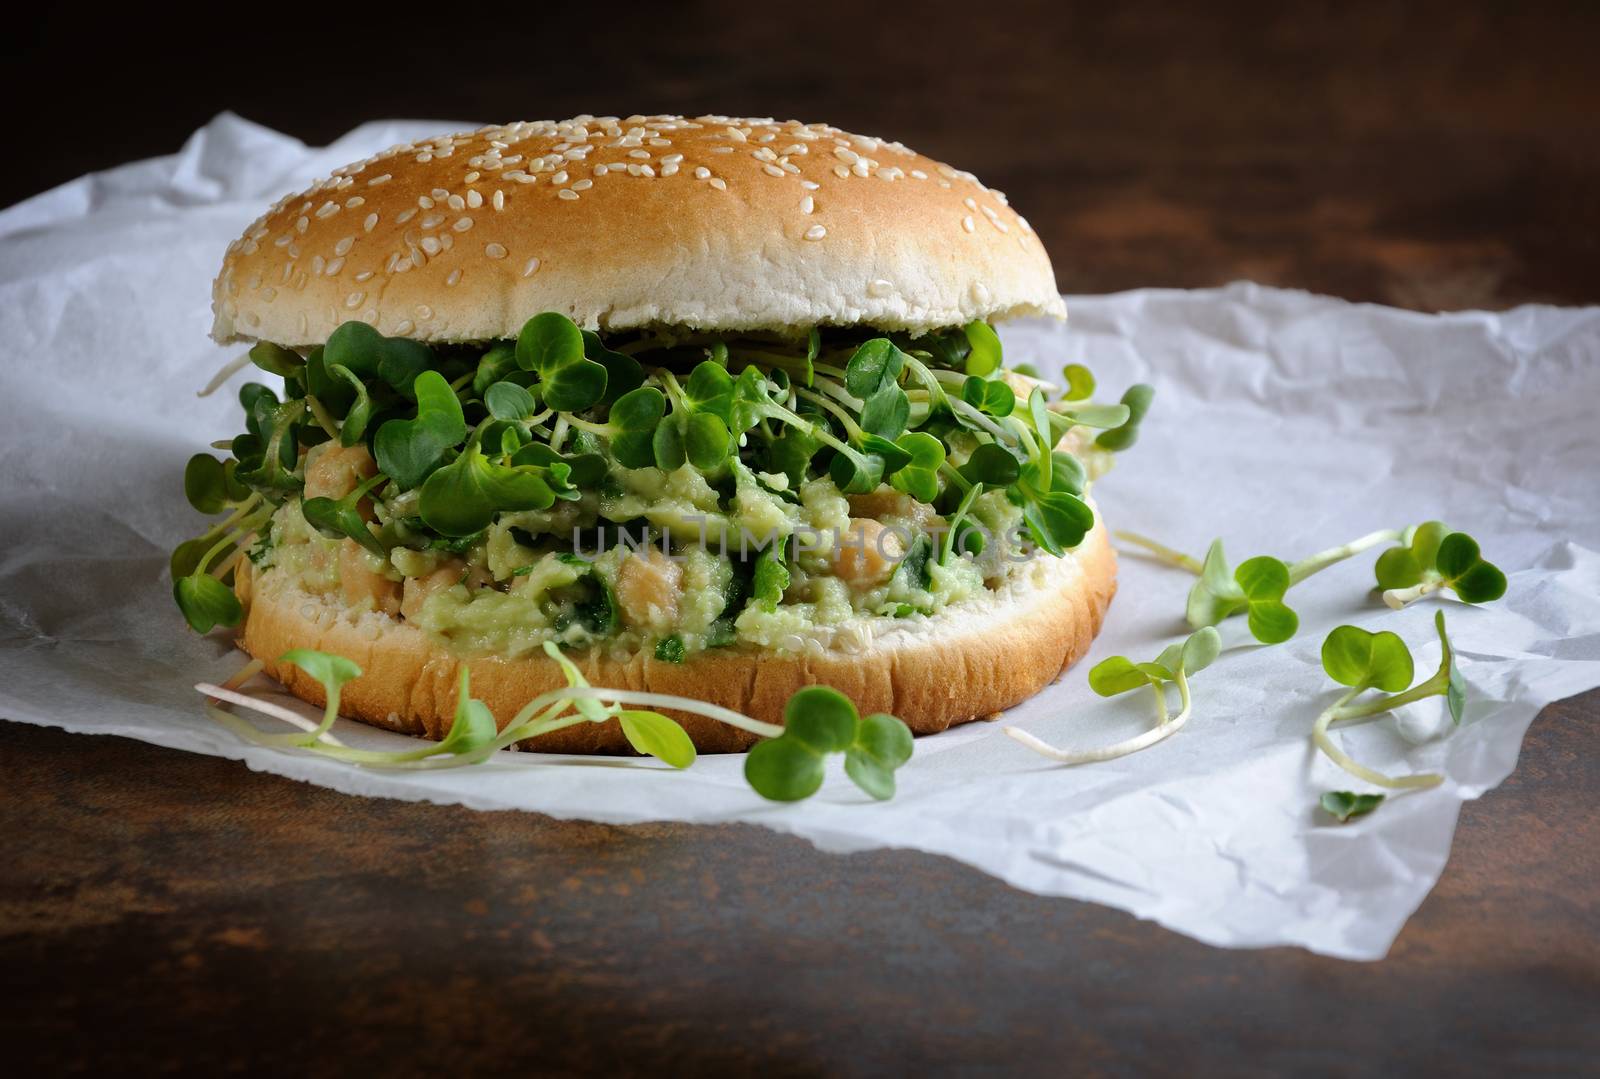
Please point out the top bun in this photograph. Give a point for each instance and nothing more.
(714, 223)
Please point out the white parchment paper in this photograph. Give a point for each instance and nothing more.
(1283, 422)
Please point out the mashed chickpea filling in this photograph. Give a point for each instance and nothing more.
(663, 491)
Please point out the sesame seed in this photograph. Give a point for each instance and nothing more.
(425, 202)
(816, 232)
(301, 224)
(702, 173)
(718, 182)
(334, 267)
(440, 194)
(918, 174)
(531, 268)
(583, 185)
(364, 275)
(495, 251)
(405, 215)
(568, 194)
(430, 244)
(499, 200)
(455, 276)
(456, 203)
(353, 300)
(772, 170)
(970, 203)
(474, 200)
(432, 221)
(403, 327)
(807, 205)
(354, 201)
(376, 180)
(966, 223)
(344, 245)
(317, 263)
(860, 168)
(810, 185)
(560, 177)
(423, 312)
(369, 223)
(880, 287)
(327, 209)
(472, 177)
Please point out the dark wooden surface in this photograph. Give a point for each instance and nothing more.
(161, 911)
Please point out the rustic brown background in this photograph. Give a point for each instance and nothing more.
(160, 911)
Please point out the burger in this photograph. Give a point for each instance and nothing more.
(715, 406)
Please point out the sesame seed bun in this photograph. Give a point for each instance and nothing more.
(711, 223)
(968, 662)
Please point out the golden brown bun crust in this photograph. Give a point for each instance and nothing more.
(710, 223)
(965, 666)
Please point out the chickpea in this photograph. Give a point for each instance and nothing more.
(888, 502)
(337, 471)
(418, 590)
(648, 584)
(358, 581)
(866, 555)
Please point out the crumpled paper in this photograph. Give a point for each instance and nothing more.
(1284, 422)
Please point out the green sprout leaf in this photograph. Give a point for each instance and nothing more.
(655, 735)
(1257, 588)
(1355, 657)
(1432, 557)
(408, 451)
(633, 422)
(462, 498)
(509, 401)
(1079, 380)
(552, 345)
(396, 361)
(358, 414)
(1345, 806)
(338, 518)
(985, 354)
(989, 395)
(496, 365)
(276, 359)
(819, 721)
(919, 477)
(623, 373)
(205, 484)
(992, 465)
(1137, 399)
(206, 602)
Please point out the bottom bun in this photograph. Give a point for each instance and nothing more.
(967, 662)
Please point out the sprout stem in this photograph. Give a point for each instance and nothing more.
(1397, 598)
(1320, 561)
(1338, 712)
(1165, 728)
(1160, 552)
(227, 371)
(323, 417)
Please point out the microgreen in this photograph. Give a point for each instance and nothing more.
(552, 345)
(276, 360)
(984, 357)
(787, 766)
(623, 373)
(338, 518)
(206, 602)
(395, 361)
(770, 579)
(1080, 382)
(989, 395)
(1118, 674)
(1137, 398)
(463, 497)
(1408, 571)
(1366, 661)
(819, 721)
(919, 477)
(408, 451)
(1256, 587)
(1431, 558)
(1345, 806)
